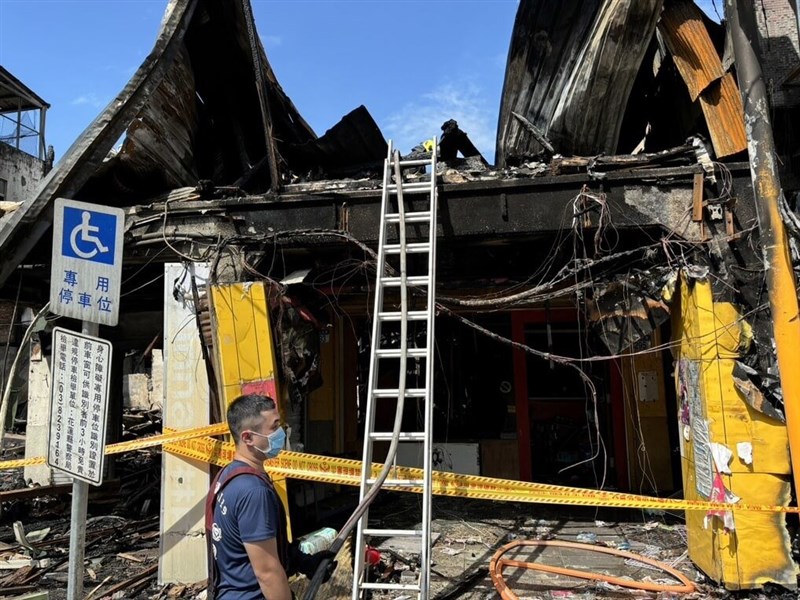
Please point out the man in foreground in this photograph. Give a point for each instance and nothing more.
(249, 553)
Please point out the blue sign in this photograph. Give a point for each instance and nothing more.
(89, 235)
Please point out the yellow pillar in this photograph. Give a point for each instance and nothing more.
(245, 358)
(712, 335)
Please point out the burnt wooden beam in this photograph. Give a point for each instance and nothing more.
(469, 212)
(263, 99)
(546, 145)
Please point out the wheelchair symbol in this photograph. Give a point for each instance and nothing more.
(86, 232)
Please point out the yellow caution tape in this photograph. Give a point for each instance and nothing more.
(343, 471)
(169, 437)
(196, 444)
(147, 442)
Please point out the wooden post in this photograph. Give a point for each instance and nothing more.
(38, 424)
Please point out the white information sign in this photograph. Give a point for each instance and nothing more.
(87, 261)
(79, 401)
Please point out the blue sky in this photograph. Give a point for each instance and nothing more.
(412, 63)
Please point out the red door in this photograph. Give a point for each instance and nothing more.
(558, 421)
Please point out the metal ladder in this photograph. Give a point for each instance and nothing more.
(422, 198)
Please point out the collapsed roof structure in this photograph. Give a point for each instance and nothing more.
(620, 169)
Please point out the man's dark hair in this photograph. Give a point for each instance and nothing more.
(245, 410)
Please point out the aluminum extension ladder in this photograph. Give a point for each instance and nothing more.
(404, 205)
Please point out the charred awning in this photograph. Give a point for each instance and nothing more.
(354, 144)
(593, 77)
(571, 67)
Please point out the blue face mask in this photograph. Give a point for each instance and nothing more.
(277, 439)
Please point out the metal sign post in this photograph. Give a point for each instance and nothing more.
(85, 280)
(76, 445)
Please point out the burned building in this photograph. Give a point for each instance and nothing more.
(602, 320)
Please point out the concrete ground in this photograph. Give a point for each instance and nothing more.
(470, 532)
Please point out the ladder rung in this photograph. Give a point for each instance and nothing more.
(385, 436)
(391, 586)
(412, 315)
(407, 186)
(399, 482)
(416, 162)
(393, 532)
(395, 352)
(417, 216)
(394, 392)
(412, 280)
(415, 248)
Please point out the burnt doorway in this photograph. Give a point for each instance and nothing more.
(570, 428)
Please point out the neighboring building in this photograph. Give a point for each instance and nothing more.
(779, 43)
(780, 50)
(23, 155)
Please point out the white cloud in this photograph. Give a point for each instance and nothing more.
(89, 99)
(463, 100)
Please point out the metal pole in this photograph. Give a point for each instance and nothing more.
(19, 120)
(77, 526)
(42, 120)
(768, 193)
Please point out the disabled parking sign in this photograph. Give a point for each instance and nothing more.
(87, 261)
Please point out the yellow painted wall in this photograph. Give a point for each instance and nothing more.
(246, 360)
(245, 357)
(711, 336)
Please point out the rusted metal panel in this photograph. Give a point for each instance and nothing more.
(701, 69)
(722, 107)
(691, 47)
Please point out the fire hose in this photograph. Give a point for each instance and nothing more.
(498, 564)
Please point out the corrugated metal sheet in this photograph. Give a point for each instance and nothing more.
(701, 68)
(691, 47)
(544, 47)
(571, 67)
(722, 107)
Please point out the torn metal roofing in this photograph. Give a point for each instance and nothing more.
(354, 144)
(571, 67)
(697, 60)
(590, 77)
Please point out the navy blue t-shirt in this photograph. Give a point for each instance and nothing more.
(246, 511)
